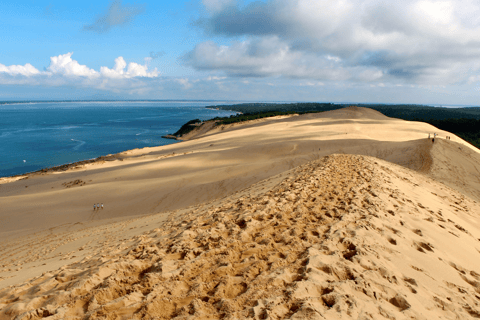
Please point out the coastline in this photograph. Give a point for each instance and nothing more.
(110, 157)
(62, 167)
(100, 101)
(102, 157)
(170, 136)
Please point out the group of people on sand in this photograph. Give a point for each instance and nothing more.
(97, 206)
(435, 135)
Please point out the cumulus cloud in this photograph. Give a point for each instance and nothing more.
(133, 70)
(422, 41)
(116, 15)
(63, 70)
(65, 65)
(26, 70)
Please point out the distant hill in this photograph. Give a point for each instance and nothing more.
(464, 122)
(400, 111)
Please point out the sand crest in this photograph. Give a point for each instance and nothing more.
(338, 238)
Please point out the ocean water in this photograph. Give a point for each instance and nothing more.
(38, 135)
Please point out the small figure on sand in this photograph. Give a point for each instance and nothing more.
(94, 207)
(102, 206)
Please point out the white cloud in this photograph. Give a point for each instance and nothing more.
(133, 70)
(271, 57)
(63, 64)
(370, 75)
(214, 78)
(411, 41)
(184, 82)
(473, 79)
(117, 71)
(311, 84)
(138, 70)
(26, 70)
(63, 70)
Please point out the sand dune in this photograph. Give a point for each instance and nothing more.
(172, 177)
(291, 218)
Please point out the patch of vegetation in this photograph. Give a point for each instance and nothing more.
(253, 116)
(254, 108)
(187, 127)
(400, 111)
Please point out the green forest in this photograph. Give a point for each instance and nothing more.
(255, 115)
(400, 111)
(187, 127)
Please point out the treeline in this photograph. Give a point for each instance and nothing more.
(255, 108)
(400, 111)
(187, 127)
(253, 116)
(241, 117)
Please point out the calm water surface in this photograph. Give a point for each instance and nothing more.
(34, 136)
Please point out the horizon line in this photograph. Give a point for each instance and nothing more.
(3, 102)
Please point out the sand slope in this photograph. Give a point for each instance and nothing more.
(344, 237)
(263, 225)
(221, 162)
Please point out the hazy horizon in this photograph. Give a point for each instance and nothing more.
(5, 102)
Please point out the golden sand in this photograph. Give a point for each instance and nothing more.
(346, 214)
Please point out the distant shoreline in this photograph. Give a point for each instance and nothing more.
(65, 167)
(240, 102)
(17, 173)
(70, 101)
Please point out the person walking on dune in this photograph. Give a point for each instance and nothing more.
(102, 206)
(94, 207)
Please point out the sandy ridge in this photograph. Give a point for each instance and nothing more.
(343, 237)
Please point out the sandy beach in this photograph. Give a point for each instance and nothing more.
(346, 214)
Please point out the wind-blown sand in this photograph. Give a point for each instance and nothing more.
(338, 215)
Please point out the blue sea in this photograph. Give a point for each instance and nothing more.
(39, 135)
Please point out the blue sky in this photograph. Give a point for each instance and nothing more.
(416, 51)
